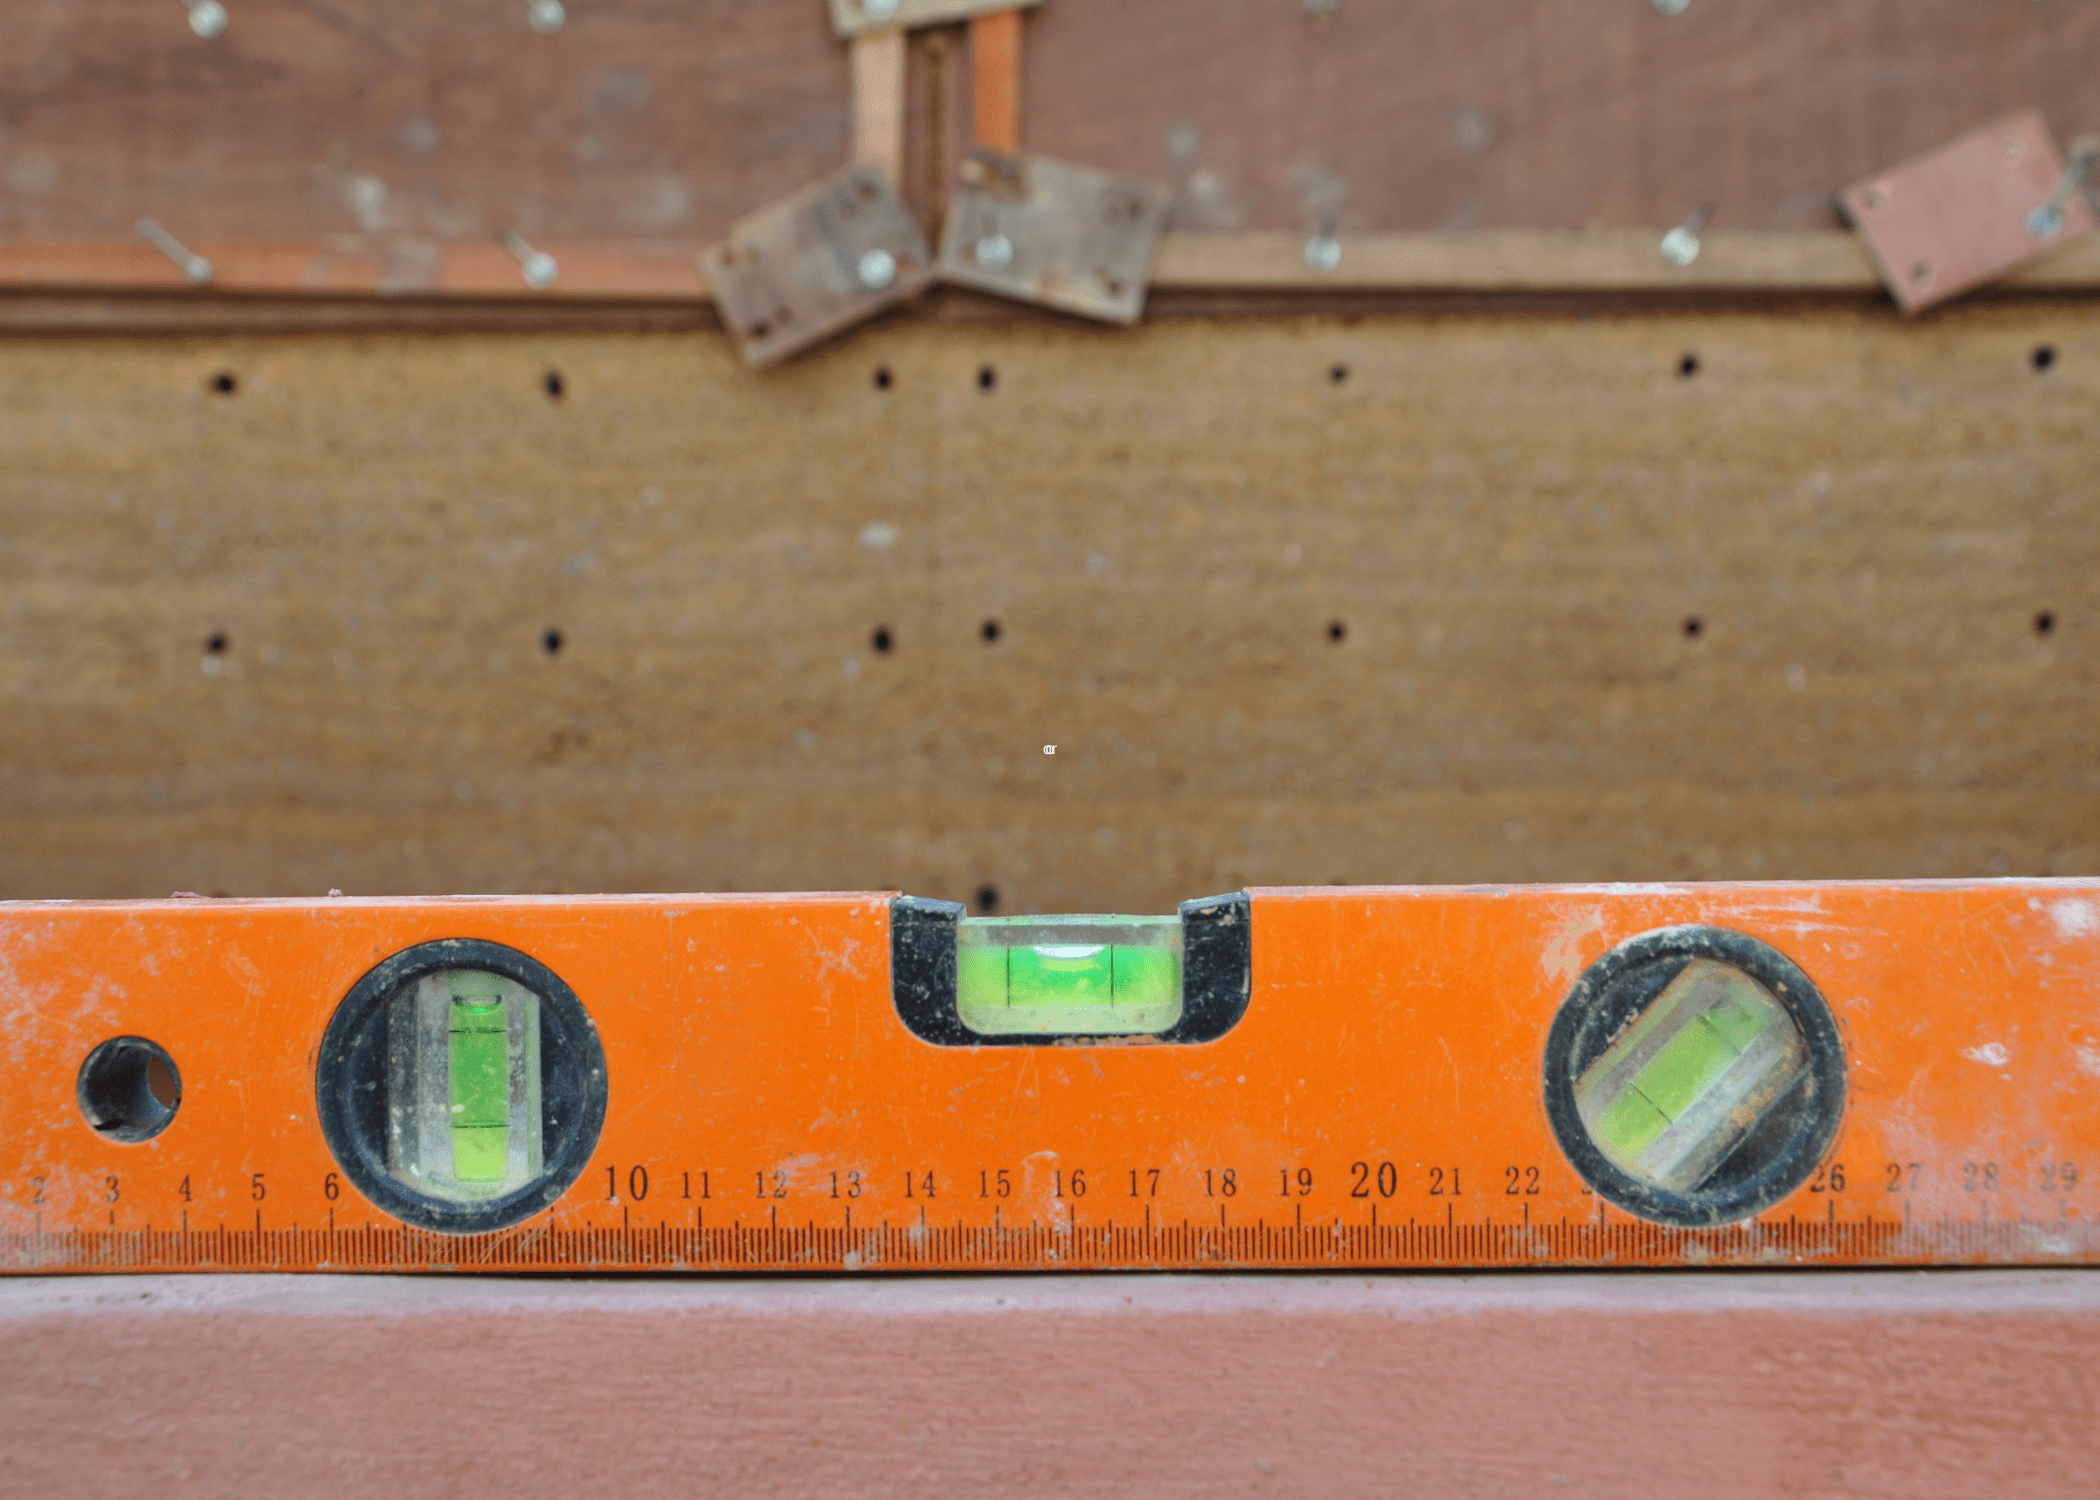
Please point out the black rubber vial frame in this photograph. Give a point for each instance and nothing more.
(350, 1086)
(1783, 1149)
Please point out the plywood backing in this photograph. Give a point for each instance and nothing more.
(405, 126)
(1883, 531)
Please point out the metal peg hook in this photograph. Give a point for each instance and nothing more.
(546, 16)
(538, 267)
(2046, 222)
(194, 266)
(1680, 247)
(207, 17)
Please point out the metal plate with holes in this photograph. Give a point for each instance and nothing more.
(829, 257)
(1074, 238)
(858, 17)
(1958, 217)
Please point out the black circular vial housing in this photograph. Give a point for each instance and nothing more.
(461, 1086)
(1694, 1076)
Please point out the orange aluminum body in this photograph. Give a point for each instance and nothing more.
(1378, 1105)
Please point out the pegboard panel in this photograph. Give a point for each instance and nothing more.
(1390, 598)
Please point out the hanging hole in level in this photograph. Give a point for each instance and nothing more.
(216, 643)
(882, 640)
(1336, 630)
(883, 379)
(550, 642)
(1687, 367)
(225, 383)
(987, 377)
(162, 1083)
(129, 1089)
(2045, 622)
(2044, 356)
(1694, 627)
(556, 386)
(989, 630)
(988, 898)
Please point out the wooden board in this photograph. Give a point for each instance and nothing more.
(1961, 1385)
(397, 128)
(1513, 521)
(1551, 114)
(446, 121)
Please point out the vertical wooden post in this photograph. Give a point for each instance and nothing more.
(995, 80)
(878, 101)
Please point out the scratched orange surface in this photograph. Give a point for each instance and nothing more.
(1378, 1105)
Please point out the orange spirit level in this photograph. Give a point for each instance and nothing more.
(1835, 1074)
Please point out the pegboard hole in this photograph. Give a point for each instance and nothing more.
(883, 378)
(988, 898)
(2045, 622)
(1687, 367)
(550, 642)
(882, 640)
(1694, 627)
(987, 377)
(1336, 630)
(1338, 374)
(2044, 356)
(216, 643)
(556, 386)
(990, 631)
(225, 383)
(129, 1089)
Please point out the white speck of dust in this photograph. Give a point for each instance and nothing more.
(852, 667)
(852, 1260)
(213, 666)
(2088, 1059)
(1243, 1078)
(877, 534)
(1049, 749)
(2075, 918)
(1992, 1054)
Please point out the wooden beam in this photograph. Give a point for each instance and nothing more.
(995, 80)
(1962, 1385)
(1539, 260)
(1619, 261)
(878, 101)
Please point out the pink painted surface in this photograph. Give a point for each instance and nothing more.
(1956, 217)
(1939, 1384)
